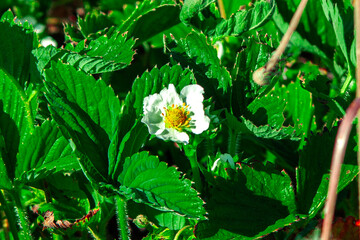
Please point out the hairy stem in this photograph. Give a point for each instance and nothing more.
(357, 32)
(190, 152)
(24, 232)
(259, 74)
(9, 215)
(122, 218)
(341, 141)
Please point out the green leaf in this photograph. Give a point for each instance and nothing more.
(254, 55)
(72, 33)
(17, 118)
(287, 104)
(314, 167)
(157, 15)
(246, 127)
(232, 6)
(147, 180)
(191, 8)
(94, 97)
(43, 153)
(274, 108)
(94, 23)
(332, 14)
(257, 201)
(197, 54)
(170, 220)
(71, 109)
(144, 214)
(302, 43)
(242, 21)
(5, 166)
(16, 44)
(104, 54)
(131, 143)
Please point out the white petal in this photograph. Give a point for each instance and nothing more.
(194, 98)
(174, 135)
(170, 96)
(201, 123)
(153, 103)
(154, 122)
(152, 113)
(193, 95)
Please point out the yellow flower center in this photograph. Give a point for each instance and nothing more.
(177, 117)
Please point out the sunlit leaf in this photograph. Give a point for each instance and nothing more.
(147, 180)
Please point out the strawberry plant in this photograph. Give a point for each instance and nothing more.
(171, 119)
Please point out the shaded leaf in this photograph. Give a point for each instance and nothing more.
(131, 143)
(254, 55)
(90, 139)
(257, 201)
(43, 153)
(197, 54)
(96, 98)
(240, 22)
(16, 44)
(17, 118)
(157, 15)
(313, 185)
(94, 23)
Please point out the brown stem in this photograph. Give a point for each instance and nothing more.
(341, 141)
(222, 9)
(357, 31)
(260, 74)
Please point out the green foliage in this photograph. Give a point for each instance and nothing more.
(312, 186)
(256, 201)
(157, 15)
(18, 42)
(145, 179)
(105, 54)
(195, 52)
(197, 13)
(43, 153)
(73, 144)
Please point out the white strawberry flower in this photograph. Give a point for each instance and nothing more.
(171, 116)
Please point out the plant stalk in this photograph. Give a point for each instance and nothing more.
(259, 74)
(180, 231)
(357, 36)
(341, 141)
(24, 232)
(10, 216)
(190, 152)
(122, 218)
(222, 9)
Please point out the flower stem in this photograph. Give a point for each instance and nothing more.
(24, 232)
(341, 141)
(10, 217)
(180, 231)
(190, 152)
(222, 9)
(357, 72)
(122, 217)
(259, 74)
